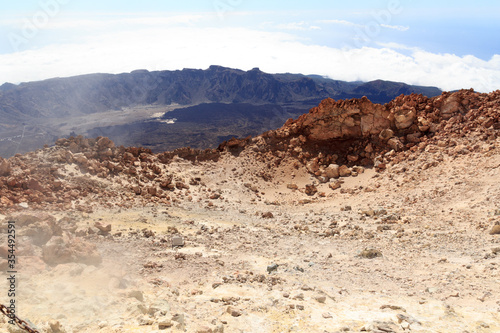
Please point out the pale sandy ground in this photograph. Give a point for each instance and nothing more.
(438, 271)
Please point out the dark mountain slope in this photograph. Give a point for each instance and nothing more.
(86, 103)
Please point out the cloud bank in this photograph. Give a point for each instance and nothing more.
(171, 47)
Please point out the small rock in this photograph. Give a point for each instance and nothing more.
(5, 167)
(332, 171)
(311, 189)
(272, 268)
(352, 158)
(370, 254)
(386, 134)
(233, 311)
(312, 166)
(495, 230)
(137, 294)
(321, 299)
(164, 324)
(431, 290)
(145, 321)
(392, 307)
(215, 196)
(327, 315)
(180, 319)
(204, 329)
(103, 230)
(177, 240)
(323, 179)
(344, 171)
(55, 327)
(335, 185)
(267, 215)
(395, 144)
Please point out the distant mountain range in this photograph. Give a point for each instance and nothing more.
(176, 108)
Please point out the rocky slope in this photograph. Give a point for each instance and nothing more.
(353, 217)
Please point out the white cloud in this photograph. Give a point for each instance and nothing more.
(395, 27)
(352, 24)
(341, 22)
(299, 26)
(157, 48)
(398, 46)
(107, 21)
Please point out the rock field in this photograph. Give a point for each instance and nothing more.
(355, 217)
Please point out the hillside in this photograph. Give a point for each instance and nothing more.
(37, 113)
(354, 217)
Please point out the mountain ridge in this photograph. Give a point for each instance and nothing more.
(36, 113)
(98, 92)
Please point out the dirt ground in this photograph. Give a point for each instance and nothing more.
(408, 249)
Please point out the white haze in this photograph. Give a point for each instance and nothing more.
(172, 47)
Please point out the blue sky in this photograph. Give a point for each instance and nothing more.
(451, 45)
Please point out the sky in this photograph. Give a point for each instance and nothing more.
(451, 45)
